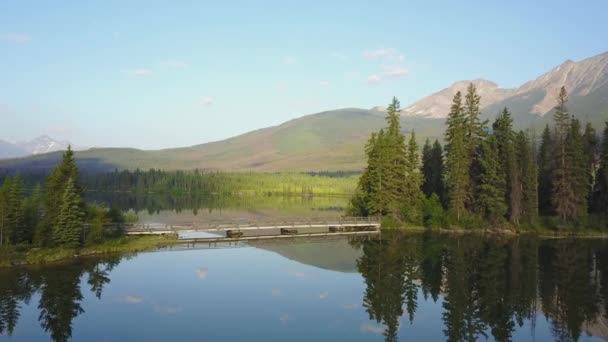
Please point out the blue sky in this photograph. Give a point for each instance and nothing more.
(154, 74)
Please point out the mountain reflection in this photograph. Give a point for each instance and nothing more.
(487, 286)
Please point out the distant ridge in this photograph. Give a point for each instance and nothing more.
(334, 140)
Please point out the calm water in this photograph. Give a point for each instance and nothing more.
(400, 287)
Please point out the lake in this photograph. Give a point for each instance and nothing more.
(398, 287)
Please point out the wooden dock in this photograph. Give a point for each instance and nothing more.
(246, 231)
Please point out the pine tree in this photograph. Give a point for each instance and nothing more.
(433, 170)
(592, 160)
(563, 199)
(5, 228)
(505, 137)
(600, 195)
(15, 207)
(528, 171)
(577, 167)
(457, 158)
(56, 185)
(394, 153)
(68, 230)
(545, 173)
(412, 198)
(475, 134)
(492, 185)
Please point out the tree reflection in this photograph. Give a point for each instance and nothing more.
(60, 293)
(489, 285)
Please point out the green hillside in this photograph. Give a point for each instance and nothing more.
(327, 141)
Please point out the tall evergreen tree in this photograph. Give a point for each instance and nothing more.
(475, 134)
(563, 199)
(600, 194)
(433, 169)
(592, 159)
(394, 150)
(545, 173)
(412, 198)
(492, 183)
(68, 230)
(15, 207)
(528, 171)
(457, 158)
(56, 185)
(577, 167)
(5, 227)
(505, 138)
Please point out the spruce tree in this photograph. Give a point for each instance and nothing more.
(56, 185)
(70, 222)
(505, 138)
(394, 153)
(475, 133)
(15, 207)
(491, 199)
(457, 158)
(433, 170)
(600, 195)
(592, 159)
(563, 194)
(528, 171)
(412, 198)
(5, 228)
(577, 167)
(545, 173)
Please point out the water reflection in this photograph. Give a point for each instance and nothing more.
(489, 286)
(59, 290)
(481, 288)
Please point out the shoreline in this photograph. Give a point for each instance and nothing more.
(132, 244)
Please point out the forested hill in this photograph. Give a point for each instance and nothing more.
(334, 140)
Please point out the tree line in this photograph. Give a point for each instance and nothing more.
(54, 215)
(487, 174)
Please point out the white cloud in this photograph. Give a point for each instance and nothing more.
(323, 295)
(368, 327)
(14, 37)
(141, 73)
(202, 272)
(131, 299)
(374, 80)
(281, 86)
(325, 84)
(379, 53)
(395, 71)
(290, 60)
(206, 101)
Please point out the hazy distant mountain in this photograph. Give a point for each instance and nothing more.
(39, 145)
(334, 140)
(438, 104)
(586, 82)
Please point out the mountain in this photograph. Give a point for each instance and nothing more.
(586, 82)
(334, 140)
(438, 104)
(39, 145)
